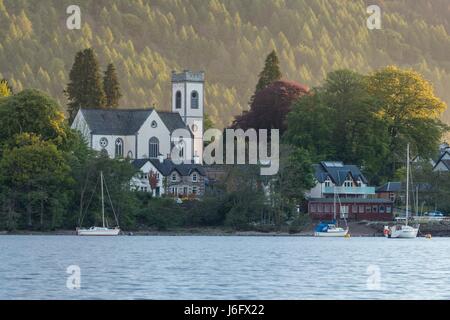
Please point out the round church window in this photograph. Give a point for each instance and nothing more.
(194, 128)
(103, 142)
(154, 124)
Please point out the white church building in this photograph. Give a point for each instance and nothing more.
(148, 133)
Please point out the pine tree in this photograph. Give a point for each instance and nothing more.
(111, 87)
(270, 73)
(85, 88)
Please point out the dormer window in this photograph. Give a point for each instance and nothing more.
(348, 183)
(328, 183)
(194, 177)
(174, 177)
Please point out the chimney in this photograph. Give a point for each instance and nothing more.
(161, 158)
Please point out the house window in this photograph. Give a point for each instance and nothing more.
(130, 155)
(119, 148)
(368, 209)
(348, 184)
(327, 208)
(178, 100)
(392, 196)
(194, 100)
(157, 191)
(194, 190)
(354, 208)
(388, 209)
(382, 209)
(174, 177)
(313, 207)
(374, 209)
(194, 177)
(185, 190)
(153, 147)
(327, 183)
(361, 209)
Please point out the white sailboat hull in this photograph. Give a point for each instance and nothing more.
(339, 232)
(402, 232)
(97, 231)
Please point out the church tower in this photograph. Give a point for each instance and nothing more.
(187, 100)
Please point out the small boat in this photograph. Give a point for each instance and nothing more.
(331, 228)
(104, 230)
(403, 231)
(98, 231)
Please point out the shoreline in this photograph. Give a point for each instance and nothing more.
(357, 229)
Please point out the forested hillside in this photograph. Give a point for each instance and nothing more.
(229, 40)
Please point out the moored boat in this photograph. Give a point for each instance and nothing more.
(403, 231)
(104, 230)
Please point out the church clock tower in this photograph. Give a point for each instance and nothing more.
(187, 100)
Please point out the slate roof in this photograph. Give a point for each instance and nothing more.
(173, 121)
(390, 187)
(337, 172)
(115, 121)
(127, 121)
(167, 167)
(445, 162)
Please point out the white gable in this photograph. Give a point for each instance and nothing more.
(80, 124)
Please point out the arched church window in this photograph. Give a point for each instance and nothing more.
(194, 100)
(119, 148)
(181, 147)
(178, 100)
(153, 148)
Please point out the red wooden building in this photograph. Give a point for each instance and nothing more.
(351, 208)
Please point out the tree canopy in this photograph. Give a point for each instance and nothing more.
(111, 87)
(85, 88)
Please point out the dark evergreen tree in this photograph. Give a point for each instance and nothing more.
(85, 88)
(111, 87)
(270, 73)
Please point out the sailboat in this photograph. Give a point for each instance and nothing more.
(403, 231)
(104, 230)
(331, 228)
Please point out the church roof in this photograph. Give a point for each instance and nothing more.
(126, 121)
(172, 120)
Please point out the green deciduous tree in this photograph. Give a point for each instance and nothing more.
(36, 177)
(32, 111)
(408, 106)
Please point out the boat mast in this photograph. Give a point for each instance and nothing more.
(334, 205)
(103, 201)
(407, 183)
